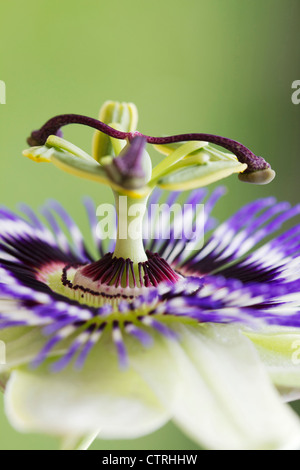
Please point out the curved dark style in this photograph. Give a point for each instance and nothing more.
(244, 155)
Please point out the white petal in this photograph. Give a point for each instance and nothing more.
(289, 394)
(22, 344)
(77, 403)
(212, 382)
(226, 400)
(279, 350)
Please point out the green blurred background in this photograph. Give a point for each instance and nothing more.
(219, 66)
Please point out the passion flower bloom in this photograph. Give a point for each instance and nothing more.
(151, 329)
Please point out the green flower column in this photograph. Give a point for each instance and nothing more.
(129, 241)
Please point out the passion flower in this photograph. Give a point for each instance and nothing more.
(151, 329)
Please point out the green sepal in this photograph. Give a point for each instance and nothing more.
(197, 176)
(76, 166)
(91, 170)
(182, 151)
(192, 165)
(62, 144)
(166, 149)
(44, 153)
(69, 158)
(39, 154)
(75, 161)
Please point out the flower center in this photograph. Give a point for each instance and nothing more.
(111, 273)
(112, 279)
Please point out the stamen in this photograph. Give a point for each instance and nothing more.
(259, 171)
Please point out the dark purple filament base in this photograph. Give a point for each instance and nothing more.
(118, 272)
(53, 126)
